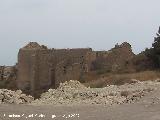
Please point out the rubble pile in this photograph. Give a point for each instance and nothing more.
(32, 45)
(14, 97)
(73, 92)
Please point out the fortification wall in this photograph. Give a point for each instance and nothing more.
(44, 69)
(67, 73)
(26, 70)
(115, 59)
(74, 64)
(40, 68)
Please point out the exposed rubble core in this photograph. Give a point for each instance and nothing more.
(73, 92)
(32, 45)
(8, 72)
(8, 77)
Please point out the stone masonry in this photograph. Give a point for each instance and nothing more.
(40, 68)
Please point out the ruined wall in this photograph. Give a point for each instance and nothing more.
(74, 65)
(34, 70)
(40, 68)
(28, 68)
(1, 72)
(114, 60)
(141, 62)
(26, 64)
(45, 71)
(8, 76)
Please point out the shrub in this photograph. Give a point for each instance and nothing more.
(154, 52)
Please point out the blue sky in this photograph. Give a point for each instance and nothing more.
(98, 24)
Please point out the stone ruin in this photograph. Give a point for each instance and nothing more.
(8, 77)
(115, 60)
(39, 68)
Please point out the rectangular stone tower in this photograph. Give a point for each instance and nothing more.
(40, 68)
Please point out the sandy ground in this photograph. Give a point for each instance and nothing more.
(148, 108)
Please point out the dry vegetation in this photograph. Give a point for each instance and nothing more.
(120, 79)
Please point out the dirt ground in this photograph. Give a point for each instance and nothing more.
(148, 108)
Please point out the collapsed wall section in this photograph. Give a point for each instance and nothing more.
(114, 60)
(8, 76)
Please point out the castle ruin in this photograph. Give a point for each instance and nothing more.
(40, 68)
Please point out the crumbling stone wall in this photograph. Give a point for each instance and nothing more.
(40, 68)
(8, 76)
(114, 60)
(141, 62)
(75, 65)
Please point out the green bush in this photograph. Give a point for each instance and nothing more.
(154, 52)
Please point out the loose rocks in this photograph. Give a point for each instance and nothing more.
(14, 97)
(73, 92)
